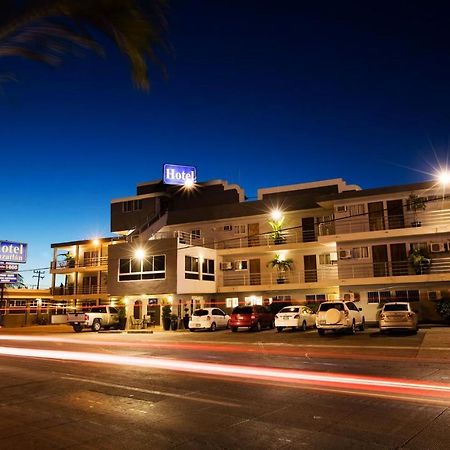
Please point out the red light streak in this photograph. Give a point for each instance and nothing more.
(356, 382)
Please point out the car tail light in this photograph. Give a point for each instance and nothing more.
(252, 316)
(86, 317)
(208, 318)
(410, 315)
(296, 316)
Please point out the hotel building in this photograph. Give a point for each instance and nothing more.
(208, 245)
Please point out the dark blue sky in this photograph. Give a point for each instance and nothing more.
(260, 93)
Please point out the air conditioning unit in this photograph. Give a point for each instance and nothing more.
(341, 209)
(226, 265)
(437, 247)
(345, 254)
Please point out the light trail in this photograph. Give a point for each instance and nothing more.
(356, 382)
(294, 350)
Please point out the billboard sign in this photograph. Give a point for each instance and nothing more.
(179, 175)
(8, 278)
(14, 252)
(8, 266)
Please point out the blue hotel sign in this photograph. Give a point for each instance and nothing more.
(178, 175)
(15, 252)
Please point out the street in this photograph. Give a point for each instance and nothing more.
(225, 390)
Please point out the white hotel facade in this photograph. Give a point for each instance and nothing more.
(210, 246)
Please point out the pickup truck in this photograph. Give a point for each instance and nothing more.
(96, 318)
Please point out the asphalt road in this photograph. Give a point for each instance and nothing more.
(224, 390)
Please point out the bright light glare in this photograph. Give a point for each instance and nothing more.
(139, 253)
(96, 242)
(444, 177)
(276, 215)
(189, 183)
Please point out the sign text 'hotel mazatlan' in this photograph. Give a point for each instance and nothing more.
(178, 175)
(13, 252)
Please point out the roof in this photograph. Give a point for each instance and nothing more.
(86, 241)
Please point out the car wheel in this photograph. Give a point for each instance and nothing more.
(353, 328)
(304, 327)
(279, 329)
(363, 325)
(213, 327)
(272, 325)
(321, 331)
(96, 325)
(234, 329)
(77, 328)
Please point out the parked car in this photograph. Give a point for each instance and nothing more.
(339, 315)
(96, 318)
(254, 317)
(296, 317)
(209, 319)
(397, 316)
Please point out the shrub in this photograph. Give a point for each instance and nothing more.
(443, 308)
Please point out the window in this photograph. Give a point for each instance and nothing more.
(239, 229)
(195, 234)
(228, 228)
(208, 270)
(151, 268)
(253, 300)
(217, 312)
(432, 295)
(241, 265)
(419, 246)
(315, 297)
(351, 306)
(231, 302)
(131, 205)
(407, 296)
(325, 259)
(378, 296)
(191, 268)
(360, 252)
(356, 210)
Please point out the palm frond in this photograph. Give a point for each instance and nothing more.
(45, 30)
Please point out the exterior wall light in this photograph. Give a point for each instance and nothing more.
(139, 253)
(276, 215)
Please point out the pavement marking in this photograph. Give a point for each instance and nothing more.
(152, 392)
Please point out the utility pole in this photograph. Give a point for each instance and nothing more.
(40, 274)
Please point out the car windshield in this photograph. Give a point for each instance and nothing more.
(327, 306)
(201, 312)
(243, 310)
(396, 307)
(290, 309)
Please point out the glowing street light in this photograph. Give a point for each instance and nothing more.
(444, 177)
(276, 215)
(139, 253)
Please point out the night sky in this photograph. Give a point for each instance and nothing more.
(260, 93)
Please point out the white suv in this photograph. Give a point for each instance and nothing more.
(339, 315)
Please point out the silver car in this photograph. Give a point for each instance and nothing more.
(398, 316)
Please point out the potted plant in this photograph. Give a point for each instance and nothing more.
(166, 313)
(419, 260)
(282, 266)
(277, 231)
(173, 322)
(415, 204)
(70, 260)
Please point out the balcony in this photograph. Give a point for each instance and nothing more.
(437, 219)
(438, 266)
(86, 263)
(75, 291)
(280, 280)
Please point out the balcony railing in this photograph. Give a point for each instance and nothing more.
(268, 239)
(78, 290)
(279, 279)
(394, 268)
(364, 223)
(85, 262)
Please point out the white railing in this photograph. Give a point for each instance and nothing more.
(410, 219)
(84, 262)
(278, 279)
